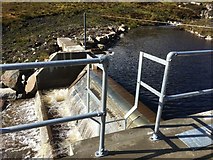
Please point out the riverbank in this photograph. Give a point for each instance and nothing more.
(30, 30)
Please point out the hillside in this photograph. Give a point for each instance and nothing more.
(30, 29)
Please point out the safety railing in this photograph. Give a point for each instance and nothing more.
(163, 97)
(102, 63)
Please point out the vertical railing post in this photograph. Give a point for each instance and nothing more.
(161, 101)
(140, 64)
(102, 152)
(88, 88)
(85, 31)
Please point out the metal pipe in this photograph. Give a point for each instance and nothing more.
(85, 31)
(140, 64)
(94, 97)
(199, 52)
(59, 63)
(49, 122)
(88, 88)
(102, 152)
(155, 59)
(188, 94)
(148, 87)
(161, 100)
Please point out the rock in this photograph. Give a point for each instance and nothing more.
(7, 93)
(121, 35)
(102, 39)
(122, 29)
(2, 105)
(11, 78)
(30, 87)
(111, 35)
(208, 12)
(209, 38)
(16, 79)
(101, 46)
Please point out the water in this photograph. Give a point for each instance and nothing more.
(22, 144)
(187, 73)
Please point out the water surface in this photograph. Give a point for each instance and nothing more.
(187, 73)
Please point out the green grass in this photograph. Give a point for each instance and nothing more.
(14, 12)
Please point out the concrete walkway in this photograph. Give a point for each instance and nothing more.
(135, 143)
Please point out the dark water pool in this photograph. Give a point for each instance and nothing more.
(187, 73)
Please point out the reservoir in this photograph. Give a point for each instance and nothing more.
(186, 73)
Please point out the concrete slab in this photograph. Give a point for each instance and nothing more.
(68, 45)
(135, 143)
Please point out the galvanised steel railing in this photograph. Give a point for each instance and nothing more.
(102, 62)
(163, 97)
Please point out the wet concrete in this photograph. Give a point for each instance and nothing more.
(135, 143)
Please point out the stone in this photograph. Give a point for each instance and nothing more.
(7, 93)
(122, 28)
(16, 79)
(2, 105)
(11, 78)
(30, 87)
(101, 46)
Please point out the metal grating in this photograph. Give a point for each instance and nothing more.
(197, 138)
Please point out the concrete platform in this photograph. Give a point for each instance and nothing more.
(135, 143)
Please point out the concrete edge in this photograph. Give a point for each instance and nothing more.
(46, 149)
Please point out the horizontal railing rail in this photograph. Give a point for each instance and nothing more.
(102, 62)
(49, 122)
(58, 63)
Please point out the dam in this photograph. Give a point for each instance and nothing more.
(80, 139)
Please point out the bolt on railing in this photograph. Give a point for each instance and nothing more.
(103, 62)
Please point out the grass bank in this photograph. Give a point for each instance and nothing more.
(30, 29)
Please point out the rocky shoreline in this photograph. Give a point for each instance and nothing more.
(206, 37)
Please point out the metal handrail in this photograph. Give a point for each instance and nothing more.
(162, 94)
(102, 61)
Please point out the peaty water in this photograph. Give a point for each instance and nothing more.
(187, 73)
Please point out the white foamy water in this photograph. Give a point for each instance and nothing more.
(22, 144)
(65, 133)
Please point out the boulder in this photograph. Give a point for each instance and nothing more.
(16, 79)
(11, 79)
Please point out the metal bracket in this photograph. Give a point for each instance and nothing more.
(101, 153)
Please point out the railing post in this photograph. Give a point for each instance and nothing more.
(102, 152)
(88, 87)
(85, 31)
(161, 101)
(140, 64)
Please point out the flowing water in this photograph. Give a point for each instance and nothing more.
(187, 73)
(23, 144)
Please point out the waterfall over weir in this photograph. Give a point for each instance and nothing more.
(72, 101)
